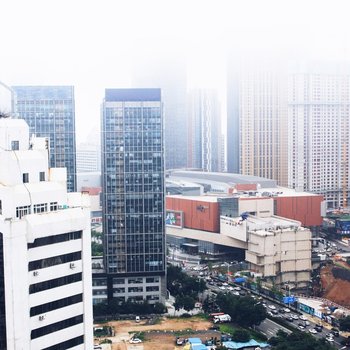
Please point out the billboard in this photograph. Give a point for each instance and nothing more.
(174, 218)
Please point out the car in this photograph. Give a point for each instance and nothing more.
(235, 293)
(272, 307)
(135, 341)
(180, 341)
(237, 288)
(294, 317)
(243, 293)
(275, 312)
(335, 332)
(225, 284)
(289, 319)
(222, 287)
(330, 339)
(302, 317)
(286, 310)
(302, 328)
(312, 330)
(270, 313)
(318, 328)
(230, 288)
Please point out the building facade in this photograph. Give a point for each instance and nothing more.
(204, 130)
(280, 250)
(319, 121)
(50, 112)
(45, 249)
(133, 194)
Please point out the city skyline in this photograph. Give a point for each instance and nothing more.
(205, 35)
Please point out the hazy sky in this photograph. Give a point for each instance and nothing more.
(93, 44)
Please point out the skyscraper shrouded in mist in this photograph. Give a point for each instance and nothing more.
(319, 121)
(45, 249)
(50, 112)
(204, 130)
(170, 75)
(290, 122)
(133, 194)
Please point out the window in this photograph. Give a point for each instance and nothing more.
(25, 177)
(42, 176)
(21, 211)
(15, 145)
(40, 208)
(53, 206)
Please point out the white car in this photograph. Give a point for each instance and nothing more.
(235, 293)
(286, 310)
(302, 317)
(312, 331)
(272, 307)
(294, 317)
(222, 287)
(135, 341)
(230, 288)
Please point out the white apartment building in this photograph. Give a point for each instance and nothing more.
(319, 121)
(280, 250)
(45, 252)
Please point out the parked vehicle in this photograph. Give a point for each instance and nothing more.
(222, 318)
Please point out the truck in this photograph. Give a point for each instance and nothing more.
(222, 318)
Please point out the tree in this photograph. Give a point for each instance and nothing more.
(241, 335)
(344, 324)
(297, 341)
(244, 311)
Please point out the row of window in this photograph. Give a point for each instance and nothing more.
(54, 283)
(25, 176)
(54, 305)
(54, 327)
(64, 237)
(37, 208)
(53, 260)
(67, 344)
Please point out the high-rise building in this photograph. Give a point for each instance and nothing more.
(88, 158)
(133, 194)
(45, 249)
(319, 124)
(293, 122)
(204, 130)
(170, 75)
(257, 125)
(50, 112)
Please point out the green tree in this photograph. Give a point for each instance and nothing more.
(244, 311)
(344, 324)
(96, 249)
(241, 335)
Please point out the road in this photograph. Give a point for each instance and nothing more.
(270, 328)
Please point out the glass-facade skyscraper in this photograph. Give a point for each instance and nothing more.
(133, 194)
(50, 112)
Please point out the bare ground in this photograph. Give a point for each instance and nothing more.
(159, 336)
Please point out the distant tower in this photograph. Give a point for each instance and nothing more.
(204, 133)
(319, 124)
(50, 112)
(45, 249)
(170, 75)
(133, 194)
(257, 121)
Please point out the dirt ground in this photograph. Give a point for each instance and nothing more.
(155, 337)
(336, 290)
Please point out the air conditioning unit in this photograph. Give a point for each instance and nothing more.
(72, 265)
(42, 317)
(35, 273)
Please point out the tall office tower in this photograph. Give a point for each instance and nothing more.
(50, 112)
(204, 131)
(88, 158)
(133, 194)
(170, 75)
(319, 124)
(45, 252)
(259, 110)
